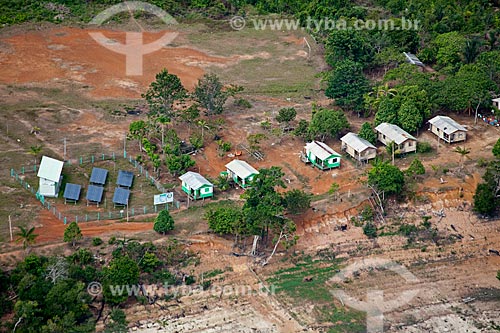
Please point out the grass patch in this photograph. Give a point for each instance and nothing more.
(306, 283)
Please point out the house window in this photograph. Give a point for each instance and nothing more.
(410, 143)
(334, 160)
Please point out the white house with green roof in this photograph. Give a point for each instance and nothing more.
(241, 172)
(196, 186)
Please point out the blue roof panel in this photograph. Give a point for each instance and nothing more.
(121, 196)
(98, 176)
(125, 178)
(72, 191)
(94, 193)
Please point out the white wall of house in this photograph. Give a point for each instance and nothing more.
(408, 146)
(48, 188)
(367, 154)
(454, 137)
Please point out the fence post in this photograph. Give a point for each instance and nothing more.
(110, 215)
(144, 210)
(12, 172)
(132, 211)
(156, 209)
(59, 216)
(92, 159)
(103, 157)
(76, 218)
(48, 205)
(98, 216)
(86, 217)
(81, 160)
(65, 220)
(22, 170)
(113, 155)
(147, 176)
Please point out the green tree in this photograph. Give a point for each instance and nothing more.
(210, 94)
(26, 236)
(122, 271)
(450, 48)
(286, 115)
(297, 201)
(409, 117)
(137, 130)
(347, 45)
(366, 132)
(302, 130)
(178, 164)
(72, 233)
(163, 222)
(263, 205)
(416, 168)
(117, 322)
(387, 111)
(163, 93)
(485, 202)
(470, 88)
(472, 49)
(386, 178)
(347, 84)
(327, 123)
(224, 220)
(496, 149)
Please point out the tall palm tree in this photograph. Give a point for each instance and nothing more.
(26, 236)
(203, 125)
(463, 151)
(374, 96)
(35, 150)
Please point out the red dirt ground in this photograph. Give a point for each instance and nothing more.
(50, 229)
(70, 54)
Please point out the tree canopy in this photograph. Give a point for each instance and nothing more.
(386, 178)
(163, 222)
(327, 123)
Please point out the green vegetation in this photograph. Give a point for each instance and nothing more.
(164, 222)
(366, 132)
(327, 123)
(50, 293)
(386, 178)
(72, 233)
(26, 236)
(306, 283)
(297, 201)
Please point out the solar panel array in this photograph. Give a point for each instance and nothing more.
(98, 176)
(121, 196)
(94, 193)
(72, 191)
(125, 178)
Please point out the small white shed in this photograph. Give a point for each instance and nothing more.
(50, 176)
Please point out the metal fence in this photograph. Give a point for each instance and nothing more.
(124, 213)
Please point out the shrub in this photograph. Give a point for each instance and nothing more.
(96, 241)
(241, 102)
(112, 240)
(424, 147)
(370, 230)
(163, 222)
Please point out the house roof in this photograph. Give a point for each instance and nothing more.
(412, 59)
(194, 180)
(357, 143)
(446, 124)
(50, 169)
(394, 133)
(320, 150)
(241, 168)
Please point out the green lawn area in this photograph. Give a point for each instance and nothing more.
(291, 286)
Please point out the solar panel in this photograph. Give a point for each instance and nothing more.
(125, 178)
(121, 196)
(94, 193)
(98, 176)
(72, 191)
